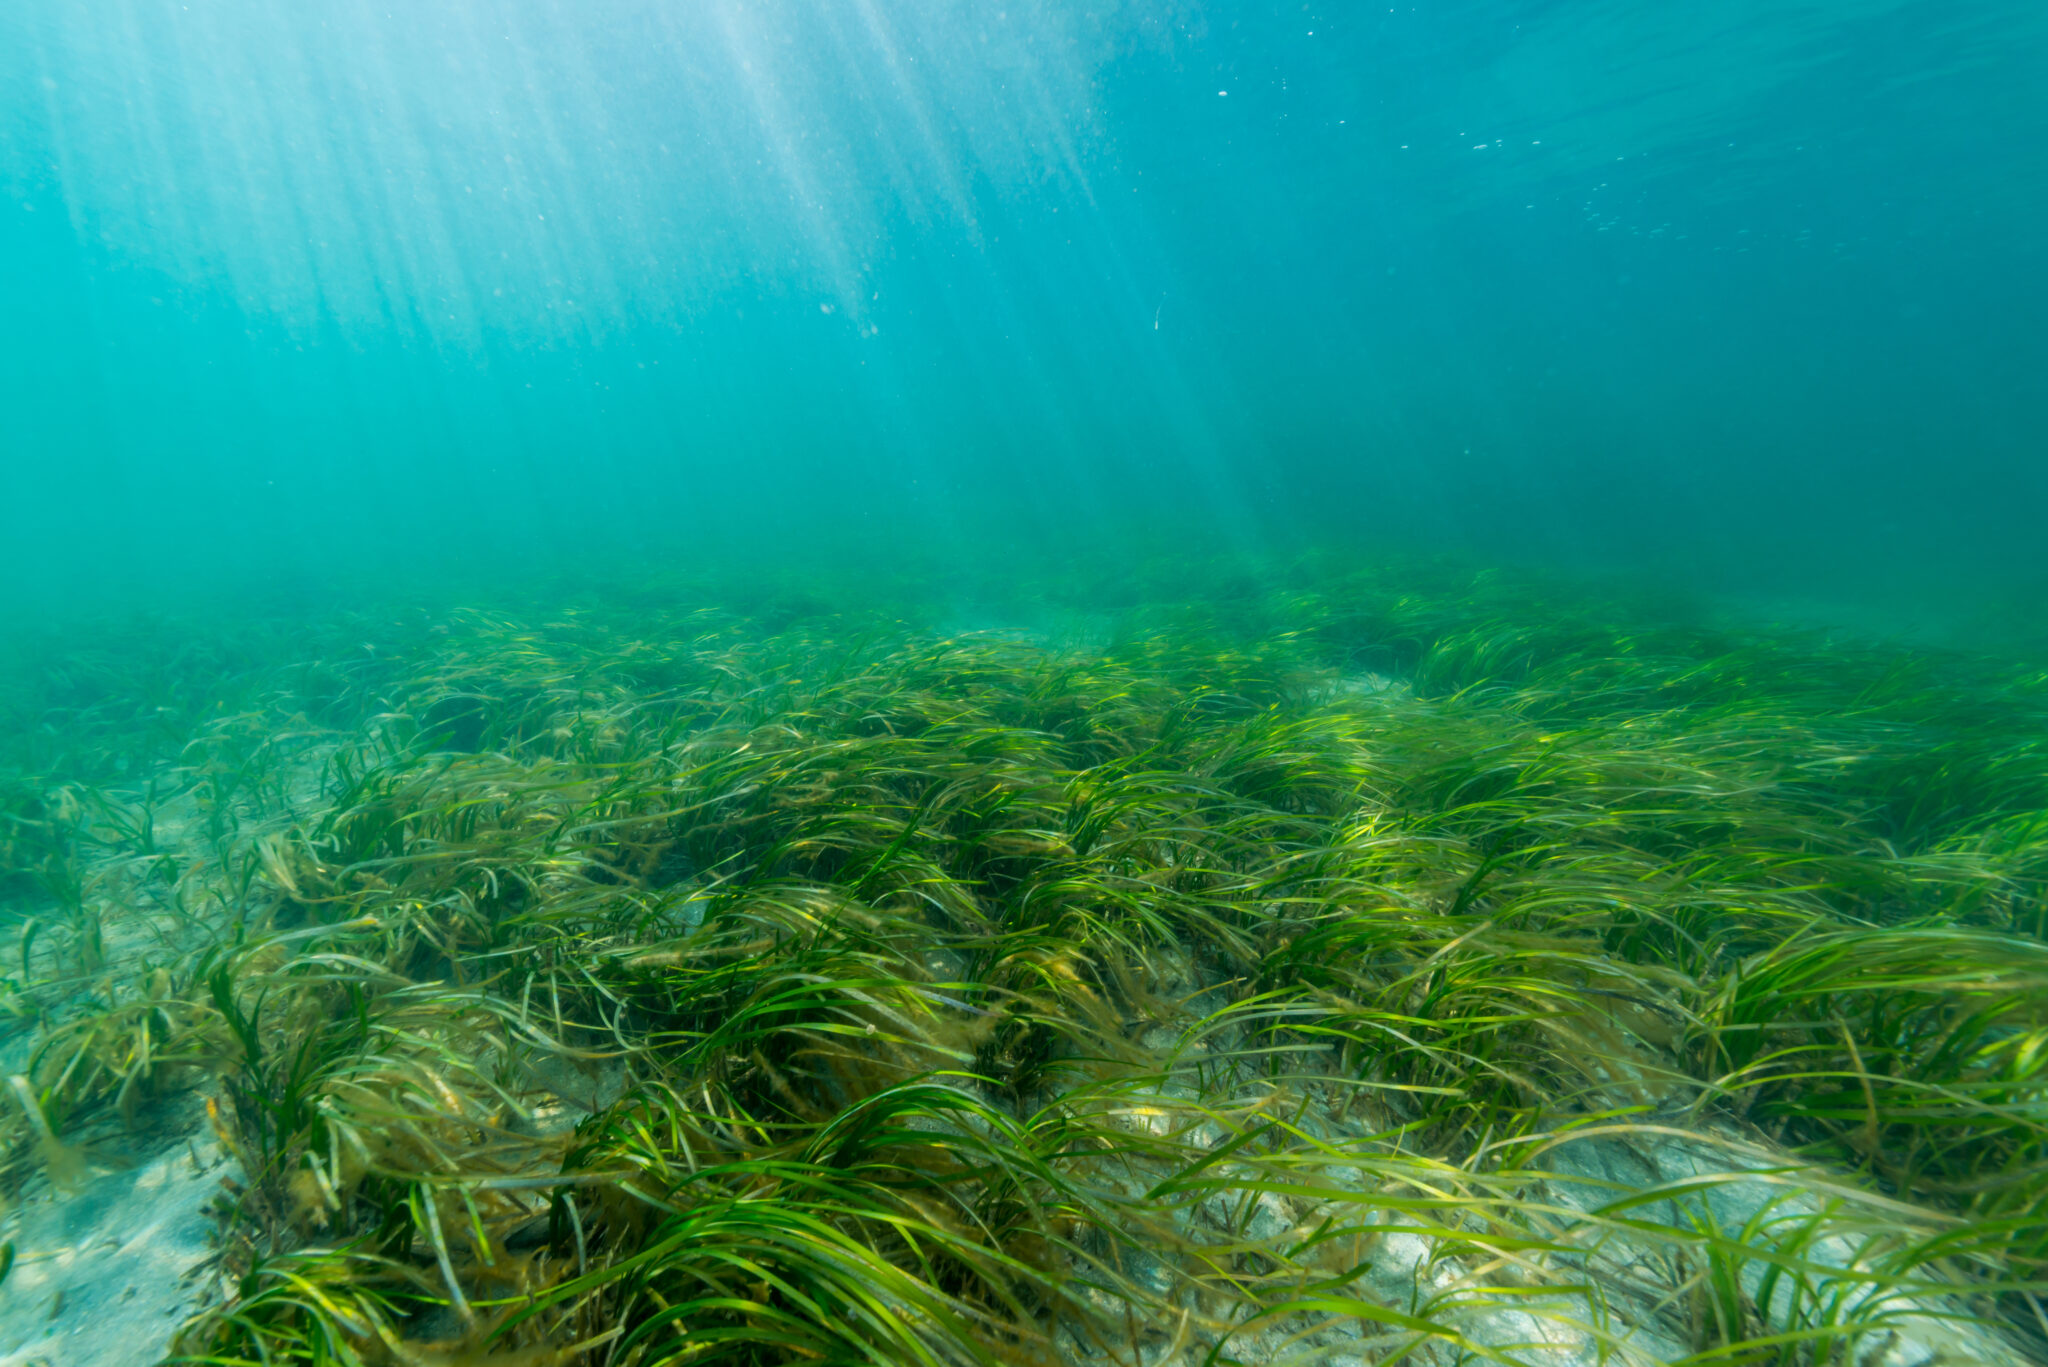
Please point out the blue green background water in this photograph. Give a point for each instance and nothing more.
(1747, 295)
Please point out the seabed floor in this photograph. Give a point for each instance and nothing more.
(1344, 967)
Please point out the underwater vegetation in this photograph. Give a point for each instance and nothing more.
(1345, 963)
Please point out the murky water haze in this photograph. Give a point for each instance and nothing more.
(1745, 297)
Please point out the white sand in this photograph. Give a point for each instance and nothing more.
(105, 1274)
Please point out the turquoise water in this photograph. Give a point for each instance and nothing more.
(1069, 675)
(1745, 295)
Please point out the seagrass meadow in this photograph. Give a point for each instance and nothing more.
(1348, 962)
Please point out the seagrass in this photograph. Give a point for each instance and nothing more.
(663, 977)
